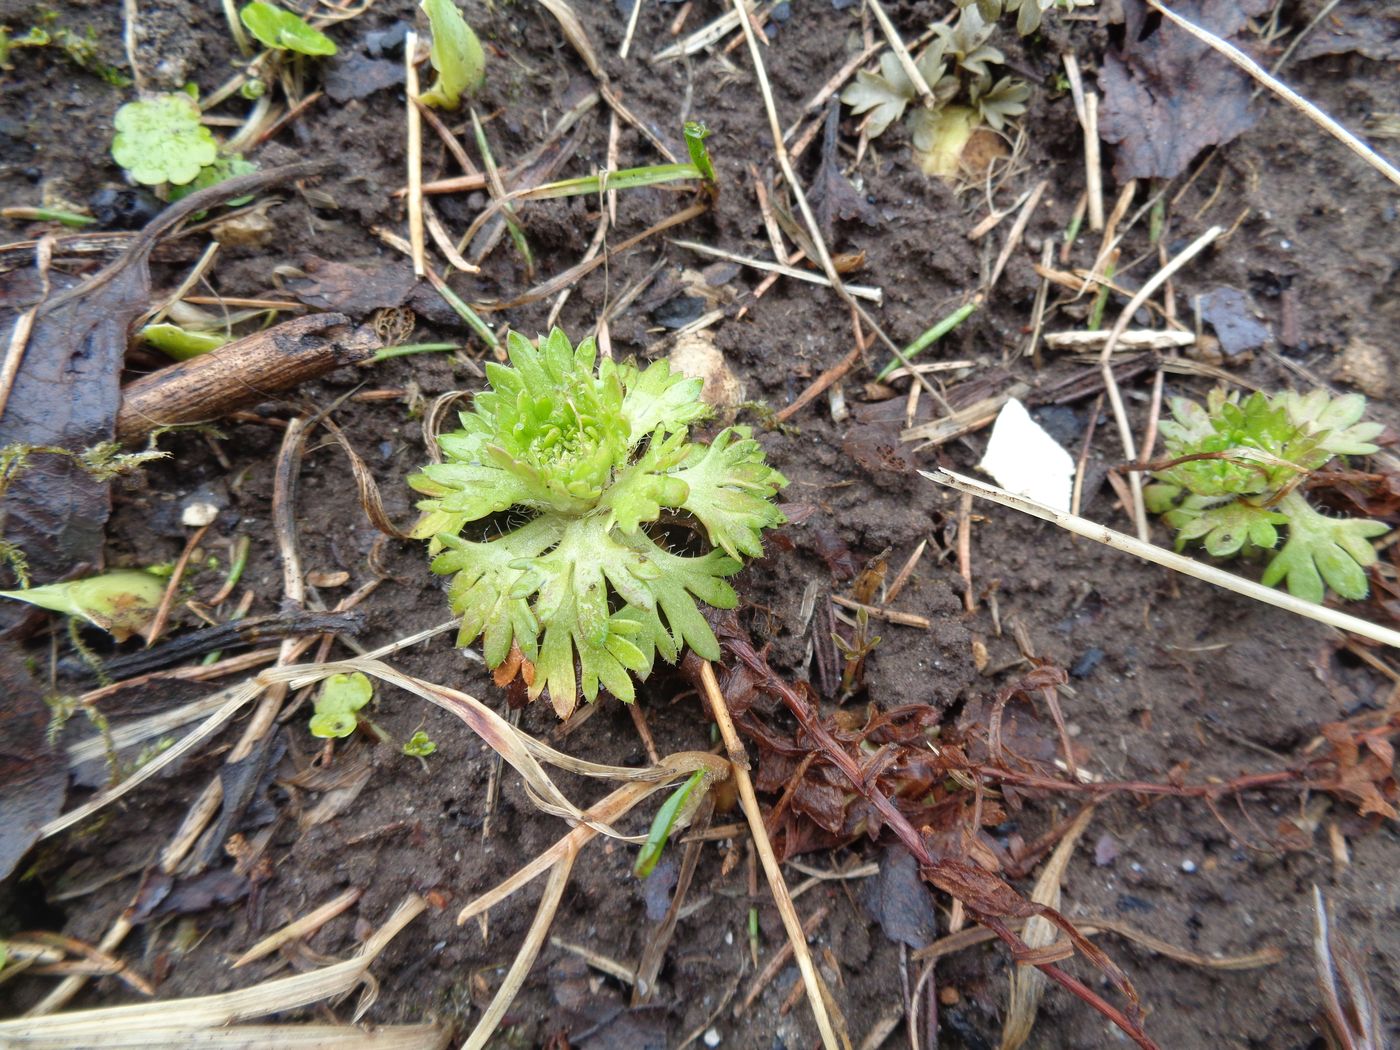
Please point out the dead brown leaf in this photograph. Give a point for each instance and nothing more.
(1166, 95)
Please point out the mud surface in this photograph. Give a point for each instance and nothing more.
(1171, 676)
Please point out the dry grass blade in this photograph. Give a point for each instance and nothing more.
(308, 923)
(522, 751)
(860, 291)
(702, 38)
(1028, 983)
(366, 486)
(100, 1027)
(1157, 555)
(1115, 398)
(575, 273)
(1350, 1013)
(24, 323)
(237, 697)
(739, 761)
(529, 951)
(613, 806)
(414, 126)
(256, 1037)
(575, 34)
(1092, 924)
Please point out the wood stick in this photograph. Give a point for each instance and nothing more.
(241, 373)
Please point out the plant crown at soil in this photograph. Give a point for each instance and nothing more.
(959, 62)
(568, 473)
(1247, 486)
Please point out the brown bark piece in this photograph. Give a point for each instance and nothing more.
(242, 373)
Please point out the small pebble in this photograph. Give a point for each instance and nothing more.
(711, 1037)
(1188, 866)
(198, 514)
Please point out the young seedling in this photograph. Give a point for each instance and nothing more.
(1234, 478)
(576, 485)
(336, 711)
(180, 344)
(283, 31)
(456, 55)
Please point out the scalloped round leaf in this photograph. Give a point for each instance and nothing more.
(160, 140)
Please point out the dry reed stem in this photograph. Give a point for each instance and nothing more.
(1115, 397)
(525, 957)
(1160, 556)
(1297, 101)
(739, 764)
(906, 61)
(101, 1027)
(157, 625)
(306, 924)
(874, 295)
(415, 154)
(1093, 173)
(1027, 983)
(1018, 228)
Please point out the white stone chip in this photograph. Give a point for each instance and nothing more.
(1027, 461)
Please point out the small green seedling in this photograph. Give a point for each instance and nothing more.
(80, 48)
(342, 695)
(456, 54)
(178, 343)
(419, 745)
(958, 63)
(161, 140)
(1234, 480)
(283, 31)
(121, 602)
(676, 809)
(222, 168)
(581, 495)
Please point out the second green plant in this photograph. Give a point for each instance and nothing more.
(1235, 480)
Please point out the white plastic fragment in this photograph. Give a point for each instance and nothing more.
(1027, 461)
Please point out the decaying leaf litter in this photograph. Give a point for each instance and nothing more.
(1189, 870)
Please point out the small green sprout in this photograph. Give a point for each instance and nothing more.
(284, 31)
(341, 696)
(178, 343)
(161, 140)
(80, 48)
(677, 809)
(583, 494)
(1234, 478)
(220, 169)
(419, 745)
(456, 54)
(120, 602)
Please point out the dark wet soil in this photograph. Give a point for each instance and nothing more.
(1173, 675)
